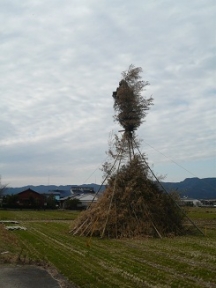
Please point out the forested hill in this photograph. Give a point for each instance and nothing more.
(194, 188)
(190, 187)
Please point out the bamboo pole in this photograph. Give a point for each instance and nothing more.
(120, 158)
(167, 192)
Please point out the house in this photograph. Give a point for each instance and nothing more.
(78, 201)
(80, 198)
(55, 194)
(190, 202)
(86, 200)
(59, 193)
(30, 199)
(208, 202)
(82, 190)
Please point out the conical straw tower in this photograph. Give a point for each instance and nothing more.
(133, 204)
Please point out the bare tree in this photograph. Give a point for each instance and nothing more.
(2, 188)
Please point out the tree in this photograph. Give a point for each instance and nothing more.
(2, 188)
(73, 204)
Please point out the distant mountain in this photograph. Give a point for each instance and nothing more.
(194, 188)
(64, 189)
(190, 187)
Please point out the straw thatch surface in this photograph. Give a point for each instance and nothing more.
(131, 206)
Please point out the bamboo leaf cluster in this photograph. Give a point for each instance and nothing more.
(129, 104)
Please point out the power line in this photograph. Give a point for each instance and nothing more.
(177, 163)
(98, 167)
(170, 159)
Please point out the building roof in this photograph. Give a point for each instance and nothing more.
(86, 197)
(29, 190)
(81, 197)
(82, 189)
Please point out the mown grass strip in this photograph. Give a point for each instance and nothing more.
(30, 215)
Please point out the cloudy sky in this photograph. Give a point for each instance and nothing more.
(60, 61)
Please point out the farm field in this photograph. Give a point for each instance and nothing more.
(186, 261)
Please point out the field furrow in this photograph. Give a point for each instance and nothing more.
(186, 261)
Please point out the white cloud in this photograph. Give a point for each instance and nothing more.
(60, 63)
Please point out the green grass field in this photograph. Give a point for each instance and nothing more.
(186, 261)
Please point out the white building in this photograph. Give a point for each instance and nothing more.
(190, 202)
(86, 199)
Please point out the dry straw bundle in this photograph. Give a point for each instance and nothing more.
(131, 206)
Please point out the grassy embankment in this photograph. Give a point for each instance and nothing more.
(187, 261)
